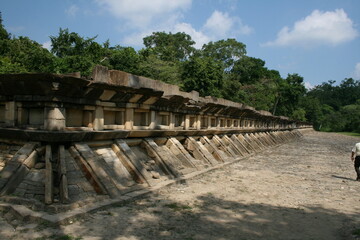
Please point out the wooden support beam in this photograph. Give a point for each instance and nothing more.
(163, 159)
(233, 146)
(179, 151)
(136, 175)
(136, 161)
(246, 142)
(199, 151)
(240, 145)
(218, 141)
(10, 170)
(63, 187)
(218, 154)
(98, 166)
(49, 186)
(88, 171)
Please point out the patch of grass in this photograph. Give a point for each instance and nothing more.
(350, 134)
(356, 232)
(178, 207)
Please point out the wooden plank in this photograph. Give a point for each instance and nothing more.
(223, 146)
(63, 187)
(97, 164)
(49, 190)
(246, 142)
(88, 171)
(15, 180)
(253, 143)
(233, 146)
(136, 175)
(257, 141)
(119, 173)
(264, 139)
(15, 162)
(62, 164)
(271, 138)
(64, 193)
(136, 161)
(179, 151)
(201, 151)
(219, 155)
(240, 145)
(161, 157)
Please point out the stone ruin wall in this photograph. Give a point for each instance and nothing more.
(67, 141)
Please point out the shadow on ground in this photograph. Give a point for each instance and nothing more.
(345, 178)
(207, 218)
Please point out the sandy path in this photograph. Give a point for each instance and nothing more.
(300, 190)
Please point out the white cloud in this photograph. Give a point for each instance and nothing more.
(143, 13)
(221, 25)
(136, 39)
(330, 28)
(72, 10)
(47, 45)
(356, 73)
(308, 86)
(143, 17)
(199, 37)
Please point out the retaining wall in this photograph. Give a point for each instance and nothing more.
(67, 142)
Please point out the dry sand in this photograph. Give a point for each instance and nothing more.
(300, 190)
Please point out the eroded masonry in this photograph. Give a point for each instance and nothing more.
(66, 141)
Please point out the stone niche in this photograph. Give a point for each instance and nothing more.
(141, 119)
(204, 122)
(179, 120)
(31, 117)
(78, 118)
(163, 120)
(114, 118)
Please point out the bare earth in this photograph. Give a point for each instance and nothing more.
(301, 190)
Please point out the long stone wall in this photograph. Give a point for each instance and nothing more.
(67, 141)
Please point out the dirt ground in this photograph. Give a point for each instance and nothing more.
(300, 190)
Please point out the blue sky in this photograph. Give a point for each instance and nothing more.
(318, 39)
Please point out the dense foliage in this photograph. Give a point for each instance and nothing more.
(220, 69)
(334, 107)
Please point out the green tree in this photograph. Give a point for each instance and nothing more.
(76, 53)
(155, 68)
(3, 33)
(248, 70)
(6, 66)
(170, 47)
(26, 54)
(226, 51)
(204, 75)
(125, 59)
(291, 90)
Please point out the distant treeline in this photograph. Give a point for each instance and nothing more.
(219, 69)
